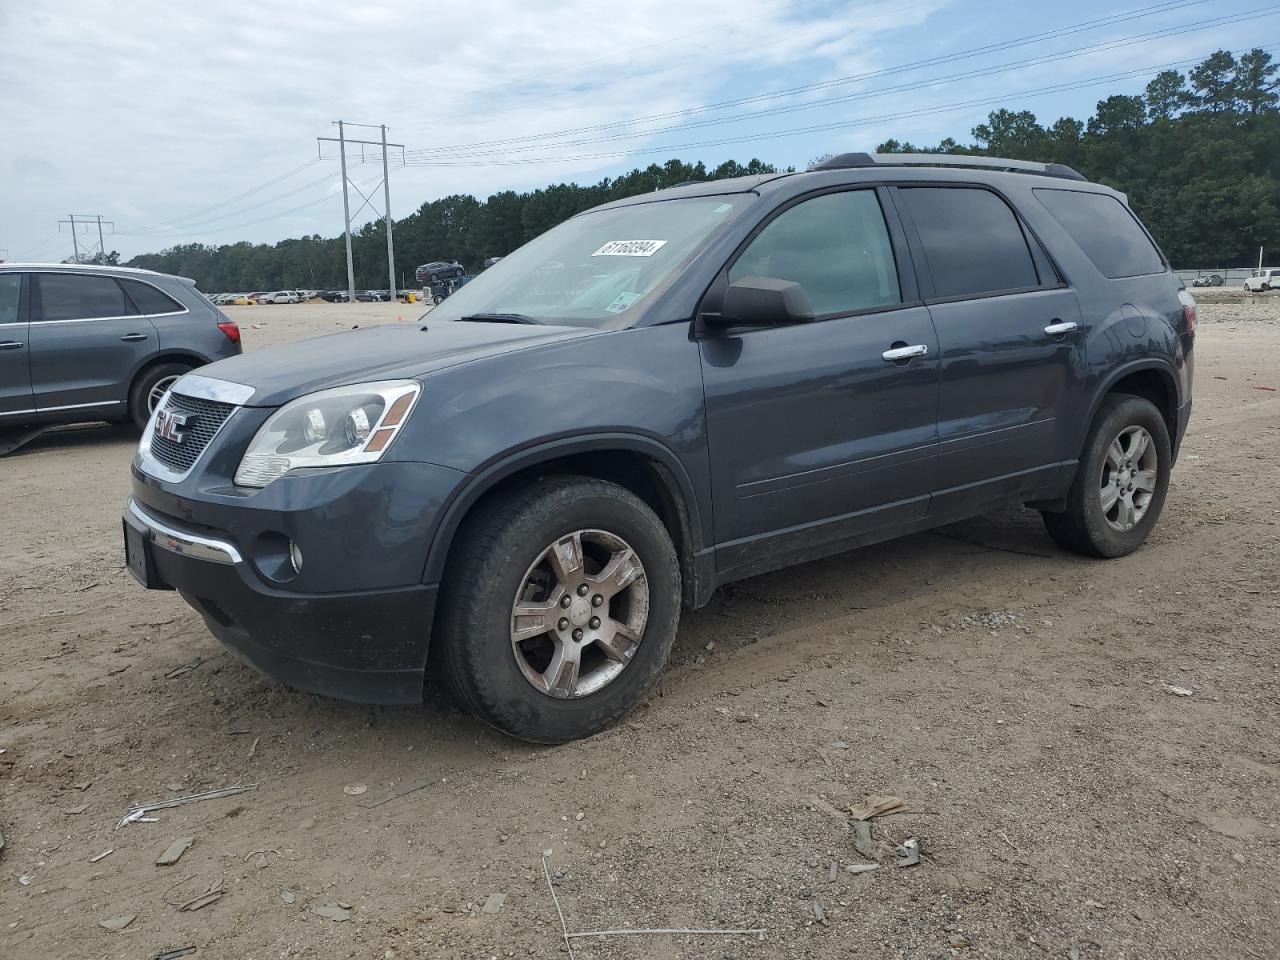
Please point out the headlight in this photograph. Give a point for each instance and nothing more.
(332, 428)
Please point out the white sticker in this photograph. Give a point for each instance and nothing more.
(622, 301)
(630, 248)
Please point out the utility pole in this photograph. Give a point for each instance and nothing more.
(75, 240)
(386, 209)
(342, 140)
(346, 216)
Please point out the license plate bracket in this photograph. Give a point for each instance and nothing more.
(139, 559)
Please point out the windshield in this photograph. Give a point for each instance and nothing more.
(594, 269)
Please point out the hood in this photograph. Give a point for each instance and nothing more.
(400, 351)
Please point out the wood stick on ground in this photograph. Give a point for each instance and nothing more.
(564, 928)
(760, 931)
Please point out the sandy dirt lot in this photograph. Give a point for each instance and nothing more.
(1066, 803)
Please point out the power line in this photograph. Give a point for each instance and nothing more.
(843, 124)
(240, 196)
(900, 88)
(1071, 29)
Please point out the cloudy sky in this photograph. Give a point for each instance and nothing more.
(197, 122)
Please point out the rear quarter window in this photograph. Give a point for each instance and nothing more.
(151, 300)
(1105, 230)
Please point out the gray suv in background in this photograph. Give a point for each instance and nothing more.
(82, 343)
(519, 493)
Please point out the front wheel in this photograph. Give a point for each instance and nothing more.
(559, 609)
(1121, 481)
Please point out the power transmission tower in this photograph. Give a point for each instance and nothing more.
(87, 220)
(342, 140)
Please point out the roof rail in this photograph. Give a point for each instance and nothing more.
(846, 160)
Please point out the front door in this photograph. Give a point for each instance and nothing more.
(15, 366)
(816, 437)
(86, 342)
(1012, 347)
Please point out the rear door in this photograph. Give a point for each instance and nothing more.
(816, 437)
(87, 341)
(15, 366)
(1011, 345)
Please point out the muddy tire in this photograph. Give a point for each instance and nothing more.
(558, 610)
(1121, 482)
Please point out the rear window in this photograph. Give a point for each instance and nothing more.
(72, 296)
(1106, 230)
(149, 299)
(972, 241)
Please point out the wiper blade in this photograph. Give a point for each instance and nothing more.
(499, 318)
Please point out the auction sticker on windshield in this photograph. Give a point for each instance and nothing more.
(630, 248)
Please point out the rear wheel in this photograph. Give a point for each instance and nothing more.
(559, 609)
(1121, 481)
(149, 389)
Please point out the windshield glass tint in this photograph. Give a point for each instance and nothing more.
(593, 270)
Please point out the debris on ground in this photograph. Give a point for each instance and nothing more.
(102, 856)
(118, 923)
(354, 789)
(174, 954)
(908, 852)
(1, 840)
(819, 914)
(494, 903)
(877, 805)
(173, 853)
(75, 811)
(833, 873)
(1177, 691)
(25, 880)
(332, 912)
(184, 669)
(138, 814)
(287, 897)
(861, 867)
(862, 840)
(958, 940)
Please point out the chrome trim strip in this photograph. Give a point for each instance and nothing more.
(147, 463)
(208, 388)
(69, 406)
(187, 544)
(132, 316)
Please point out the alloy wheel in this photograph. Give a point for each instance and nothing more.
(1128, 482)
(158, 390)
(579, 614)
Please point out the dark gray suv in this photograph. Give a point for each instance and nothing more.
(661, 395)
(80, 343)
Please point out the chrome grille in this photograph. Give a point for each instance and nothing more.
(204, 419)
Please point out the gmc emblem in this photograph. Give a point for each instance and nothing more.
(172, 426)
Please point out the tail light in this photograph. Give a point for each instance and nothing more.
(230, 329)
(1188, 309)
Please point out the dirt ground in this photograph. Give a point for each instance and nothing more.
(1067, 804)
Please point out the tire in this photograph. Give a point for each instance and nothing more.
(149, 380)
(1088, 526)
(496, 552)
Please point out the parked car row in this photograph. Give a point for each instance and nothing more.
(296, 296)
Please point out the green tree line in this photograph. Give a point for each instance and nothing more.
(1198, 155)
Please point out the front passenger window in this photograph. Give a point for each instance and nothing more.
(835, 246)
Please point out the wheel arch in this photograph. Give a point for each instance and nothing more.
(641, 464)
(1151, 379)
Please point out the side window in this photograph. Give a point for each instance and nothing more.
(71, 296)
(10, 289)
(1106, 230)
(835, 246)
(148, 299)
(972, 241)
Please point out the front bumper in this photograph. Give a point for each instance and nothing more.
(355, 622)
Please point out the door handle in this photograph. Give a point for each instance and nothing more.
(1059, 329)
(11, 344)
(133, 337)
(905, 353)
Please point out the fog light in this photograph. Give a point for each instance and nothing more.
(295, 557)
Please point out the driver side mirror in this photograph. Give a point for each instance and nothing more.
(763, 301)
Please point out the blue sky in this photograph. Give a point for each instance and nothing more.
(172, 120)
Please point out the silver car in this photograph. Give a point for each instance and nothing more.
(82, 343)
